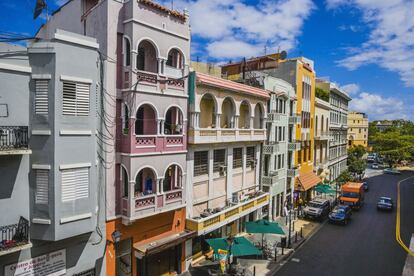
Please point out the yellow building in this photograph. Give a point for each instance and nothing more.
(357, 129)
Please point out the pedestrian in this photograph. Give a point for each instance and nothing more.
(300, 204)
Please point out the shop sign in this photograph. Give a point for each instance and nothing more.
(51, 264)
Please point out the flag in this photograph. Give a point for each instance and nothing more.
(40, 5)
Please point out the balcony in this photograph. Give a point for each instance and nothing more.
(294, 119)
(173, 72)
(271, 149)
(294, 146)
(14, 140)
(322, 135)
(230, 213)
(293, 172)
(213, 135)
(274, 117)
(138, 80)
(151, 204)
(14, 237)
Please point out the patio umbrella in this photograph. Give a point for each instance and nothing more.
(240, 246)
(324, 189)
(263, 226)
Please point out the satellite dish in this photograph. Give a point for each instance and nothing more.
(283, 55)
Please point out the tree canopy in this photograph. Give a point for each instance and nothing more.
(322, 94)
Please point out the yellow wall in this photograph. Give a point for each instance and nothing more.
(305, 166)
(357, 123)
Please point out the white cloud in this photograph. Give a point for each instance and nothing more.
(60, 2)
(390, 43)
(226, 23)
(379, 108)
(351, 88)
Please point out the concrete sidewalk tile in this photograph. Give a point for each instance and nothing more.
(409, 263)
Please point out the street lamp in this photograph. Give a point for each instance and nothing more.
(290, 227)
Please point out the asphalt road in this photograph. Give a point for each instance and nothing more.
(367, 245)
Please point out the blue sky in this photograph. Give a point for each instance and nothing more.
(365, 46)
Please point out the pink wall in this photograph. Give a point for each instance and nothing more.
(150, 122)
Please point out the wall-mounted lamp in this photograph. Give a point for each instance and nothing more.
(116, 237)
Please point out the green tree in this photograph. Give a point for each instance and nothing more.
(394, 146)
(322, 94)
(344, 177)
(357, 151)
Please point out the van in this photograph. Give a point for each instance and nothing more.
(352, 194)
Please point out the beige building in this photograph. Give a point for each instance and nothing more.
(321, 146)
(357, 129)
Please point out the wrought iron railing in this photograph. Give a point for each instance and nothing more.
(14, 235)
(13, 137)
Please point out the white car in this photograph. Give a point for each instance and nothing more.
(375, 166)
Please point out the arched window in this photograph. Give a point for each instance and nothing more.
(145, 182)
(258, 117)
(322, 123)
(127, 52)
(173, 123)
(227, 113)
(172, 178)
(244, 119)
(147, 57)
(125, 119)
(316, 125)
(124, 182)
(175, 59)
(146, 120)
(207, 112)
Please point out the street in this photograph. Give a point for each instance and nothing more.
(367, 245)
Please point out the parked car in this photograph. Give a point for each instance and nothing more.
(340, 214)
(366, 187)
(317, 208)
(385, 203)
(391, 171)
(375, 166)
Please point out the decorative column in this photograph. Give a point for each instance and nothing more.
(217, 120)
(161, 66)
(131, 200)
(236, 121)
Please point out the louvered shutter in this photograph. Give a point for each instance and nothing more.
(75, 98)
(75, 184)
(42, 187)
(41, 97)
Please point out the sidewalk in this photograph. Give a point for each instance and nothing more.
(266, 266)
(409, 263)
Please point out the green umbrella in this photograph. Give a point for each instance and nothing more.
(240, 246)
(263, 226)
(324, 189)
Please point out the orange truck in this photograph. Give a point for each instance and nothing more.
(352, 194)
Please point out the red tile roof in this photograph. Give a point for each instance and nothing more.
(308, 180)
(163, 9)
(231, 85)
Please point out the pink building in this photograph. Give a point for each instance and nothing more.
(145, 50)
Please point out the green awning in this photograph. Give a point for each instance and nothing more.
(324, 189)
(264, 227)
(241, 246)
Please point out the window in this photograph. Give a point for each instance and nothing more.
(75, 184)
(279, 161)
(124, 181)
(237, 157)
(250, 156)
(359, 130)
(127, 52)
(42, 186)
(219, 159)
(41, 97)
(75, 98)
(310, 148)
(200, 163)
(300, 157)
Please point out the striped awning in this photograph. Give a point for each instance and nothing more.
(307, 181)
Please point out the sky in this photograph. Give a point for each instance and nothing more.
(364, 46)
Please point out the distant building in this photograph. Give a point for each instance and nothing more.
(383, 125)
(357, 129)
(52, 191)
(322, 137)
(338, 126)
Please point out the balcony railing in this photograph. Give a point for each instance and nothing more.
(144, 205)
(271, 149)
(270, 180)
(293, 172)
(152, 143)
(322, 135)
(14, 236)
(294, 119)
(293, 146)
(135, 80)
(173, 72)
(217, 135)
(230, 213)
(13, 138)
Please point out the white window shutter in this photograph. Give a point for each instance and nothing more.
(75, 184)
(42, 187)
(41, 97)
(76, 98)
